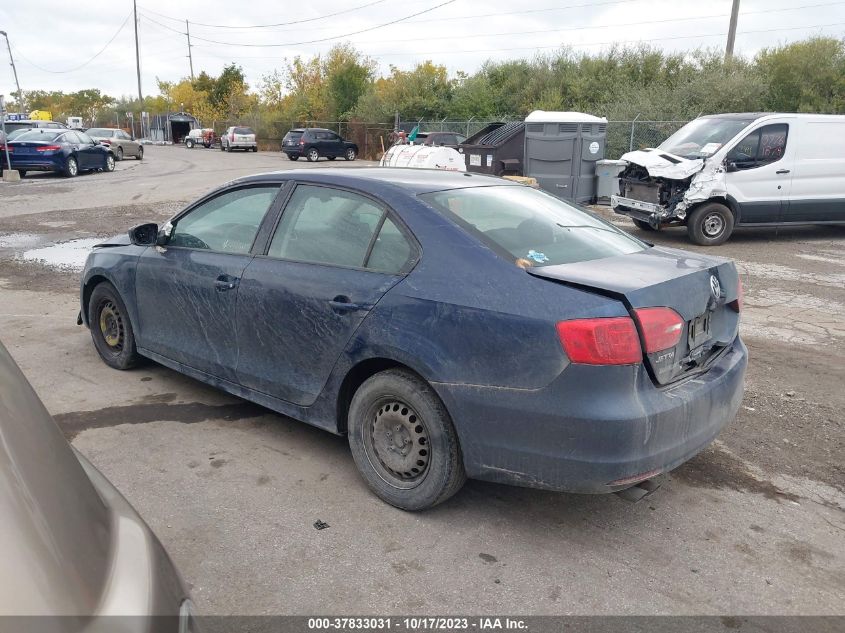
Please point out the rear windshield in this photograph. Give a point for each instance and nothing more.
(294, 135)
(39, 135)
(530, 227)
(244, 130)
(98, 131)
(17, 126)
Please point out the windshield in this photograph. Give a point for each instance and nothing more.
(530, 227)
(16, 133)
(39, 135)
(703, 137)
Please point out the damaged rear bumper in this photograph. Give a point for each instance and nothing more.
(594, 429)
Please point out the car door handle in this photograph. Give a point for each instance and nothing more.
(343, 304)
(782, 171)
(225, 282)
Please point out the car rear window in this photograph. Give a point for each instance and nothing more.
(244, 130)
(39, 135)
(294, 135)
(98, 131)
(531, 227)
(17, 126)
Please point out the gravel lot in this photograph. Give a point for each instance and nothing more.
(754, 525)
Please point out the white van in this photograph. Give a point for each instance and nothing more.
(726, 170)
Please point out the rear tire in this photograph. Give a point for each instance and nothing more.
(313, 155)
(642, 224)
(222, 147)
(119, 154)
(22, 172)
(140, 155)
(293, 157)
(403, 441)
(109, 163)
(710, 224)
(111, 329)
(71, 167)
(189, 144)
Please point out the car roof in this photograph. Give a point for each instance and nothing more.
(371, 179)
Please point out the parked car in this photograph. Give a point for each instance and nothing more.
(451, 324)
(26, 124)
(238, 137)
(200, 136)
(314, 142)
(72, 545)
(449, 139)
(64, 151)
(121, 143)
(727, 170)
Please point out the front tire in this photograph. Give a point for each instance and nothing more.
(351, 154)
(710, 224)
(403, 441)
(111, 329)
(313, 155)
(71, 167)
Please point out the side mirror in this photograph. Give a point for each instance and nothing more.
(731, 167)
(144, 234)
(163, 235)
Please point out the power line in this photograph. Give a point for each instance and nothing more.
(558, 46)
(337, 37)
(264, 26)
(83, 64)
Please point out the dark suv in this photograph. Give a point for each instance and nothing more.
(313, 142)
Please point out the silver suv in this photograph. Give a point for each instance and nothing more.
(239, 137)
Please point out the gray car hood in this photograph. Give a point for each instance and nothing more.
(55, 528)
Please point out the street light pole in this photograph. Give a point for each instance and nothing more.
(729, 49)
(137, 52)
(14, 71)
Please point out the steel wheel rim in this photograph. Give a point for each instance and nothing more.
(713, 224)
(396, 440)
(111, 326)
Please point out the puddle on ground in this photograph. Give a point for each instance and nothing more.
(65, 255)
(20, 240)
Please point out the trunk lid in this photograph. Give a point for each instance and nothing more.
(677, 279)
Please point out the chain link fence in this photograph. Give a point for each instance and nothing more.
(626, 136)
(467, 128)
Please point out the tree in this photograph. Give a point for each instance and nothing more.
(347, 75)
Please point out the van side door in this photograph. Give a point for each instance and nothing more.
(760, 173)
(818, 179)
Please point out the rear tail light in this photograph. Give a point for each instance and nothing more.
(232, 136)
(736, 304)
(302, 141)
(603, 341)
(7, 148)
(49, 148)
(661, 328)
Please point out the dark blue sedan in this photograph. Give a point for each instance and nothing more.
(452, 325)
(67, 152)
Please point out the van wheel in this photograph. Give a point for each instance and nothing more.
(403, 441)
(111, 329)
(710, 224)
(642, 224)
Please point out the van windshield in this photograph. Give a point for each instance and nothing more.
(530, 227)
(704, 136)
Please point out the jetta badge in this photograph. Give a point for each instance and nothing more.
(715, 288)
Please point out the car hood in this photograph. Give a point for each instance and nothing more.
(660, 164)
(55, 528)
(121, 239)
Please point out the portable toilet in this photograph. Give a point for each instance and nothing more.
(561, 150)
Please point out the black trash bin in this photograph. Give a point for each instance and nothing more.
(497, 149)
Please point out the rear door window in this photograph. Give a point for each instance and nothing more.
(530, 227)
(323, 225)
(227, 223)
(392, 252)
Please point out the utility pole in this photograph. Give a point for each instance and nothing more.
(190, 58)
(729, 49)
(15, 72)
(137, 51)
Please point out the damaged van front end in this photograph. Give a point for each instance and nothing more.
(659, 188)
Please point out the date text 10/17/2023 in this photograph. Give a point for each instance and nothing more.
(416, 623)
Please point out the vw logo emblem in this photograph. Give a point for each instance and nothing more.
(715, 288)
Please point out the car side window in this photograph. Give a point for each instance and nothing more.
(84, 138)
(227, 223)
(392, 252)
(322, 225)
(763, 146)
(72, 138)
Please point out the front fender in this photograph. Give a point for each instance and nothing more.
(117, 265)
